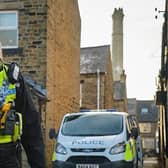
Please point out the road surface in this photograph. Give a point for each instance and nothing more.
(151, 162)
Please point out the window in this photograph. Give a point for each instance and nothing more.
(9, 29)
(92, 125)
(144, 110)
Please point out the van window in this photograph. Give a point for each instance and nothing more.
(92, 125)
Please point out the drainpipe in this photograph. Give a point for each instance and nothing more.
(98, 89)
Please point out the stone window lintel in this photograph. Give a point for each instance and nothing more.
(11, 5)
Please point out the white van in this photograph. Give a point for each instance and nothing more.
(95, 139)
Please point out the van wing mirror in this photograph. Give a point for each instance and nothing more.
(134, 132)
(52, 133)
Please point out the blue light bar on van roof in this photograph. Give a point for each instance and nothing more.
(97, 110)
(112, 110)
(85, 110)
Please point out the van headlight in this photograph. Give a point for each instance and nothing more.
(60, 149)
(118, 148)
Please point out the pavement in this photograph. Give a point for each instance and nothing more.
(151, 162)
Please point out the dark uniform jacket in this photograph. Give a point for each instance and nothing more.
(31, 139)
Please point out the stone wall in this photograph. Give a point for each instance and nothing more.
(109, 102)
(31, 54)
(89, 91)
(63, 61)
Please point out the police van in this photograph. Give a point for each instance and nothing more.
(96, 139)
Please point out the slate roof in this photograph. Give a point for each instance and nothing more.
(93, 58)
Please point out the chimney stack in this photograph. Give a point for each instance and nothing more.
(117, 44)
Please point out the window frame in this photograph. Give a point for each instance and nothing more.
(11, 28)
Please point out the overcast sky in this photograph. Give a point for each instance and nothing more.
(142, 38)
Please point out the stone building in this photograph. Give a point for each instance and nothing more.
(96, 82)
(147, 114)
(43, 37)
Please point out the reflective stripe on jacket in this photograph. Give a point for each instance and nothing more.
(5, 139)
(8, 94)
(130, 150)
(54, 156)
(7, 90)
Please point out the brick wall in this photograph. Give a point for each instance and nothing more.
(63, 61)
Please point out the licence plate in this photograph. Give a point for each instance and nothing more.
(87, 166)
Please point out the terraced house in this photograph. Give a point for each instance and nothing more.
(43, 37)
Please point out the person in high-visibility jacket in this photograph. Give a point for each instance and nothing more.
(17, 111)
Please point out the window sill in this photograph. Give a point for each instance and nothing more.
(13, 51)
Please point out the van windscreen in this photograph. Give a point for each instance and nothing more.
(92, 125)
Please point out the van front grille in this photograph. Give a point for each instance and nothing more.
(88, 150)
(88, 159)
